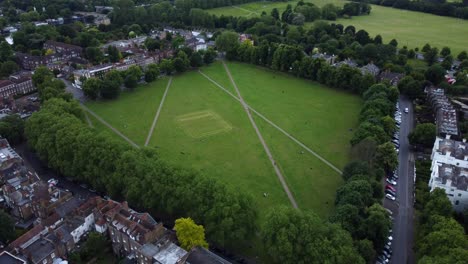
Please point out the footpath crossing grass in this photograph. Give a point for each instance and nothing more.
(133, 112)
(203, 128)
(234, 154)
(320, 117)
(413, 29)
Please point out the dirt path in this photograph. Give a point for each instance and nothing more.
(150, 133)
(246, 10)
(260, 137)
(109, 126)
(277, 127)
(90, 124)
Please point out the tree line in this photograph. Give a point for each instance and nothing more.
(458, 9)
(109, 85)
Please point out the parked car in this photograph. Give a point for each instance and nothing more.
(52, 181)
(406, 110)
(389, 196)
(388, 191)
(392, 182)
(390, 187)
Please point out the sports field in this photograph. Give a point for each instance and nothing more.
(413, 29)
(204, 128)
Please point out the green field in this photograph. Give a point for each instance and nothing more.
(413, 29)
(201, 127)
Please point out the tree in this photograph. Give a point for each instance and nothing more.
(329, 12)
(152, 73)
(94, 54)
(7, 228)
(132, 76)
(12, 128)
(209, 56)
(166, 66)
(386, 156)
(295, 236)
(6, 52)
(430, 56)
(228, 42)
(181, 62)
(110, 89)
(92, 87)
(41, 74)
(445, 52)
(275, 13)
(355, 168)
(424, 134)
(376, 225)
(196, 60)
(462, 56)
(114, 54)
(435, 74)
(114, 76)
(189, 234)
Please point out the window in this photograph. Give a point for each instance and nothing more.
(457, 202)
(452, 190)
(459, 194)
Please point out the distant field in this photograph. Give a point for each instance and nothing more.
(201, 127)
(413, 29)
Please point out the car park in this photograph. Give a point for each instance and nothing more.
(390, 197)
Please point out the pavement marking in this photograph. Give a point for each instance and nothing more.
(276, 126)
(109, 126)
(260, 137)
(156, 117)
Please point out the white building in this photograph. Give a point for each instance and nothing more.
(450, 170)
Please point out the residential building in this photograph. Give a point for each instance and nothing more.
(330, 59)
(392, 77)
(445, 113)
(63, 48)
(8, 258)
(201, 255)
(450, 170)
(95, 71)
(349, 62)
(371, 69)
(6, 87)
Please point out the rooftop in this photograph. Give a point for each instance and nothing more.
(7, 258)
(169, 254)
(446, 115)
(200, 255)
(452, 176)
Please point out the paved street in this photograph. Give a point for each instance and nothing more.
(31, 160)
(403, 212)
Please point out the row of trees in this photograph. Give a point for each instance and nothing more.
(109, 86)
(59, 136)
(457, 9)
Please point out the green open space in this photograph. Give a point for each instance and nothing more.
(203, 128)
(320, 117)
(133, 112)
(409, 28)
(234, 155)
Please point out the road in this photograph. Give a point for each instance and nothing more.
(32, 161)
(403, 211)
(260, 137)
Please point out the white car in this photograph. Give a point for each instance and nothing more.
(392, 182)
(389, 196)
(52, 181)
(390, 238)
(406, 110)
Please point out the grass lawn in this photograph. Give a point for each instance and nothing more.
(202, 128)
(318, 116)
(413, 29)
(133, 112)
